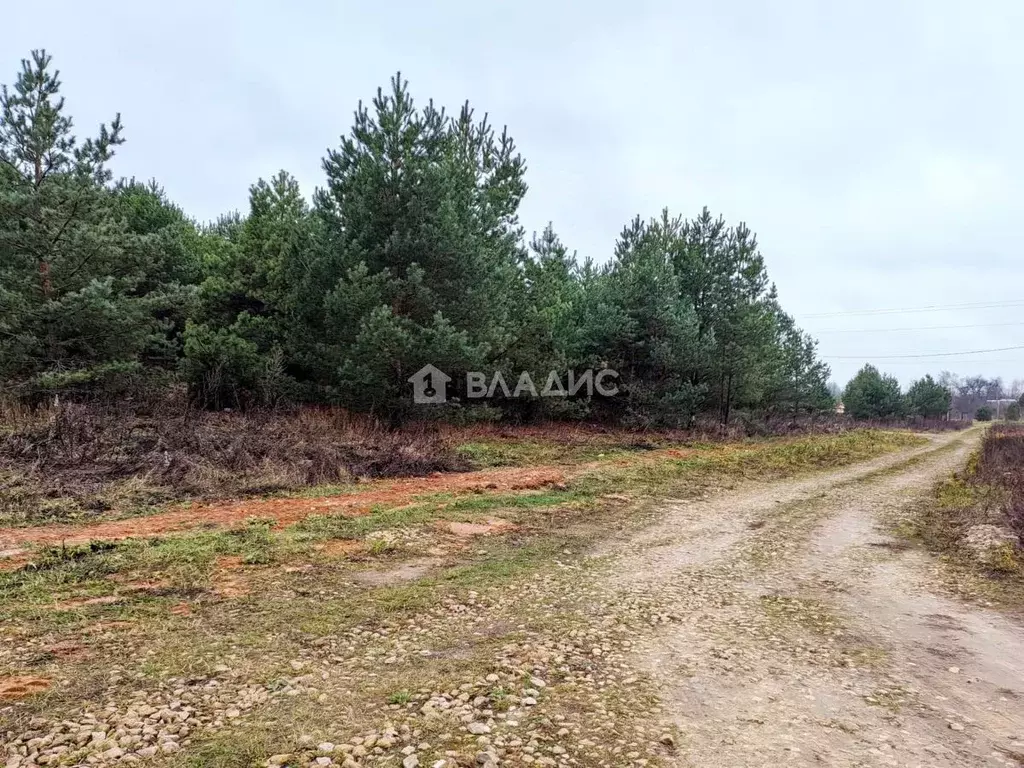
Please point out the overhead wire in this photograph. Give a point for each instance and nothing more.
(926, 355)
(909, 310)
(915, 328)
(912, 358)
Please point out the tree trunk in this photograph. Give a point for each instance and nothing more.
(44, 265)
(727, 402)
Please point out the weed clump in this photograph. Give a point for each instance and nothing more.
(77, 460)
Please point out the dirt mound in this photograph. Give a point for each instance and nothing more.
(85, 602)
(341, 547)
(67, 649)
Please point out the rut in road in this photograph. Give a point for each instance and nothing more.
(802, 634)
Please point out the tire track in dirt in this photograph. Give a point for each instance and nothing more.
(804, 636)
(695, 532)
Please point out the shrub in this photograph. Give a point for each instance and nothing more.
(983, 414)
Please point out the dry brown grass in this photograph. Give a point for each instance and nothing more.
(1001, 463)
(705, 429)
(987, 495)
(73, 459)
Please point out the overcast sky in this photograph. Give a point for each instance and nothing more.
(875, 147)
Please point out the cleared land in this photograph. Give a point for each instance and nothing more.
(734, 604)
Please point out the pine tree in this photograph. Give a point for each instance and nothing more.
(245, 342)
(637, 322)
(551, 302)
(421, 210)
(927, 398)
(872, 395)
(411, 254)
(83, 299)
(722, 272)
(803, 381)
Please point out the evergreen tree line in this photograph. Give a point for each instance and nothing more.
(411, 253)
(875, 395)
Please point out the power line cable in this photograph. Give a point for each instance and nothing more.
(931, 354)
(905, 310)
(920, 328)
(958, 362)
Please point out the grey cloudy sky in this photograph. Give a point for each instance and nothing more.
(875, 147)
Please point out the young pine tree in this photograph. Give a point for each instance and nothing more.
(928, 398)
(637, 321)
(873, 395)
(722, 272)
(84, 300)
(420, 222)
(244, 346)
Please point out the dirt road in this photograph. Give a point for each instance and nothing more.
(802, 634)
(780, 624)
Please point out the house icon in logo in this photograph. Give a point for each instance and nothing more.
(428, 385)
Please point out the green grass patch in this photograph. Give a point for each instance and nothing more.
(185, 562)
(400, 697)
(242, 746)
(485, 454)
(762, 459)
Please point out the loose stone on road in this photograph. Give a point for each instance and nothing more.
(807, 636)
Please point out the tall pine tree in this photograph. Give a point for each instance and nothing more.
(420, 221)
(84, 299)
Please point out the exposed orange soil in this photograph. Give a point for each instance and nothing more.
(289, 510)
(285, 511)
(145, 586)
(13, 559)
(67, 649)
(230, 586)
(227, 582)
(341, 547)
(12, 688)
(68, 605)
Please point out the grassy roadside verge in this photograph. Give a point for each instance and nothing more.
(395, 607)
(972, 521)
(600, 493)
